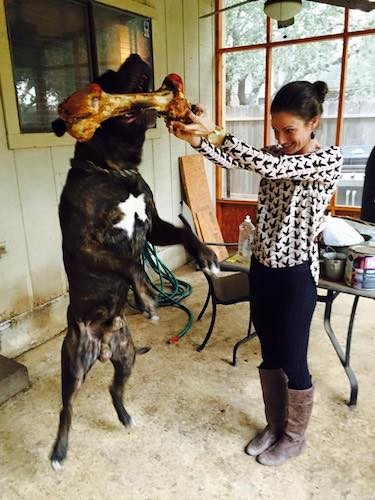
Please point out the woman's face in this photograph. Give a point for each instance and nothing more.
(293, 133)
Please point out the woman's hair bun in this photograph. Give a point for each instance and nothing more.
(321, 89)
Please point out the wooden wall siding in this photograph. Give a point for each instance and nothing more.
(37, 191)
(31, 179)
(15, 283)
(174, 18)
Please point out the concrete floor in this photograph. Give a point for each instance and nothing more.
(194, 414)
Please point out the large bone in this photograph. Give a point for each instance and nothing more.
(87, 108)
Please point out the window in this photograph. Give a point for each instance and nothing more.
(119, 34)
(58, 46)
(325, 42)
(239, 26)
(358, 118)
(327, 67)
(244, 114)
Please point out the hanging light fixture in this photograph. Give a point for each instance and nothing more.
(282, 10)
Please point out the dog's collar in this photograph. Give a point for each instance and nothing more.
(89, 166)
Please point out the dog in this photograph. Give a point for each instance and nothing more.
(107, 213)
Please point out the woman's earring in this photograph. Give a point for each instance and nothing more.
(312, 135)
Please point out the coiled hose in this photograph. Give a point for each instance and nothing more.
(170, 290)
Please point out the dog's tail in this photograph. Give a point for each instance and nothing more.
(142, 350)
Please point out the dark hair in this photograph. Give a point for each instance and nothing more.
(301, 98)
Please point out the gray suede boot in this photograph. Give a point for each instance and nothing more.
(274, 388)
(292, 443)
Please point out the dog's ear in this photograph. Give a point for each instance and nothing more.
(134, 75)
(59, 127)
(108, 81)
(137, 73)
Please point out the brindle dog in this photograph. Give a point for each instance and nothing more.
(107, 212)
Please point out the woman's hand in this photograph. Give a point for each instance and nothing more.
(178, 129)
(200, 126)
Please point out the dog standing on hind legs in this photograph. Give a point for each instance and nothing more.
(107, 213)
(81, 347)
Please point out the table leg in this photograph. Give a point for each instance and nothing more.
(248, 337)
(344, 356)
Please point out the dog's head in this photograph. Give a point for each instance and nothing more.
(119, 139)
(134, 75)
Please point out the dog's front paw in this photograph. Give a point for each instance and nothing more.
(150, 309)
(146, 301)
(213, 269)
(207, 260)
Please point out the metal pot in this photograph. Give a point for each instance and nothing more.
(345, 249)
(334, 265)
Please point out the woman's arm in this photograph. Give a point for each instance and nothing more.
(317, 166)
(322, 165)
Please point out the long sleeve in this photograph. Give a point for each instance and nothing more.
(322, 165)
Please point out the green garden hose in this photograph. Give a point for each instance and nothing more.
(170, 290)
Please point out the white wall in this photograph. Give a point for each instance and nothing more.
(32, 280)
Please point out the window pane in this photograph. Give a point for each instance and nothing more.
(244, 25)
(244, 113)
(314, 19)
(312, 61)
(350, 188)
(359, 118)
(359, 20)
(49, 56)
(119, 34)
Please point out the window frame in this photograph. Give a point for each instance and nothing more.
(18, 140)
(269, 45)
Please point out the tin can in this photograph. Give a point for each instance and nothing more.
(360, 267)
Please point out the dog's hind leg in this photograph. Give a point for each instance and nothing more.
(77, 357)
(123, 356)
(70, 384)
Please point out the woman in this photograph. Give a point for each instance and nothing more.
(299, 178)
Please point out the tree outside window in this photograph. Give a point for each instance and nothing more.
(58, 46)
(292, 59)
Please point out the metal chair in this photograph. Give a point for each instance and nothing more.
(225, 290)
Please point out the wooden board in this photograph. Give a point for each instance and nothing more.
(211, 232)
(198, 198)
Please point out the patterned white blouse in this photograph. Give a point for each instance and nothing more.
(293, 195)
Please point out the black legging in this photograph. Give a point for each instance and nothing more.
(282, 303)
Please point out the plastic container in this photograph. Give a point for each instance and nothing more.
(360, 267)
(245, 238)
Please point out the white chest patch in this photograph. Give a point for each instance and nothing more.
(133, 205)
